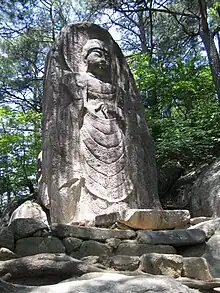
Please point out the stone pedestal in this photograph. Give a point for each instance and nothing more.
(146, 219)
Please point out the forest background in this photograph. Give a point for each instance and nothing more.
(172, 47)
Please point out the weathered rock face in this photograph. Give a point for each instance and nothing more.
(98, 156)
(31, 210)
(205, 193)
(106, 283)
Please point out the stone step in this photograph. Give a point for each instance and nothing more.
(90, 233)
(176, 238)
(146, 219)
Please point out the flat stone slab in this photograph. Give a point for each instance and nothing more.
(177, 237)
(90, 233)
(208, 227)
(149, 219)
(37, 245)
(140, 249)
(92, 248)
(198, 220)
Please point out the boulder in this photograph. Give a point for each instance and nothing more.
(124, 262)
(209, 250)
(113, 242)
(25, 227)
(212, 255)
(205, 193)
(139, 249)
(36, 245)
(196, 268)
(162, 264)
(8, 209)
(41, 267)
(208, 227)
(71, 244)
(90, 233)
(29, 209)
(149, 219)
(6, 254)
(106, 283)
(6, 238)
(92, 247)
(177, 237)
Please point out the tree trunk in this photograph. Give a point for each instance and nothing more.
(208, 41)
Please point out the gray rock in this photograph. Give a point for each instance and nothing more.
(198, 220)
(42, 233)
(25, 227)
(124, 262)
(203, 286)
(196, 268)
(92, 247)
(6, 254)
(192, 251)
(95, 136)
(205, 193)
(91, 259)
(162, 264)
(90, 233)
(139, 249)
(107, 283)
(29, 209)
(113, 242)
(177, 237)
(36, 245)
(209, 250)
(71, 244)
(101, 261)
(147, 219)
(212, 255)
(208, 227)
(6, 238)
(42, 266)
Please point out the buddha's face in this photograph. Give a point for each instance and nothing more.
(98, 61)
(97, 58)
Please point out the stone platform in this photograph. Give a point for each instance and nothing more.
(157, 251)
(146, 219)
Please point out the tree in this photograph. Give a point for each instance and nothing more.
(20, 143)
(184, 122)
(140, 22)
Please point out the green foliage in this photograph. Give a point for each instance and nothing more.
(182, 109)
(20, 143)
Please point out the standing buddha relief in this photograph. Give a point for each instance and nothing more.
(98, 156)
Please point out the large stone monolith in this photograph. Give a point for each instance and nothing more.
(98, 156)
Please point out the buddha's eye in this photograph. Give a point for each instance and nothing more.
(97, 53)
